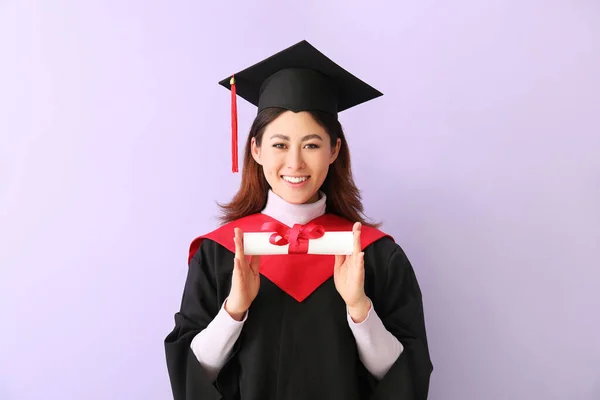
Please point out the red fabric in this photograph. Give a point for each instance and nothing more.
(297, 274)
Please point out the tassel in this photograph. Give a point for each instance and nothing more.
(234, 127)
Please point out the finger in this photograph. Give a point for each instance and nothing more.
(236, 268)
(357, 247)
(339, 260)
(360, 261)
(255, 264)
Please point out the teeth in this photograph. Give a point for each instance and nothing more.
(295, 179)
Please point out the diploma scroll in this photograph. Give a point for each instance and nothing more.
(331, 243)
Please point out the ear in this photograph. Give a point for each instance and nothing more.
(335, 151)
(255, 150)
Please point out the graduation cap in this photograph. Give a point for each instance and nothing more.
(299, 78)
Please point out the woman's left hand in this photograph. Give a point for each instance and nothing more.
(349, 279)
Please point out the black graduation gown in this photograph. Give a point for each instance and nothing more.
(300, 350)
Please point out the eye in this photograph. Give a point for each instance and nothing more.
(279, 146)
(312, 146)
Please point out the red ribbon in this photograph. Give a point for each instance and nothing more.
(297, 237)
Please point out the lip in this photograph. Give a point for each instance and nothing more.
(295, 185)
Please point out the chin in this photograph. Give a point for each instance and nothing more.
(295, 196)
(298, 192)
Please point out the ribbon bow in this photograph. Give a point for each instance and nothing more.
(297, 237)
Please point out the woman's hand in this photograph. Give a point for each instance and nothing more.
(245, 280)
(349, 279)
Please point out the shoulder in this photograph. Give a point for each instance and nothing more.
(203, 248)
(224, 234)
(385, 248)
(212, 257)
(216, 237)
(390, 279)
(385, 243)
(384, 258)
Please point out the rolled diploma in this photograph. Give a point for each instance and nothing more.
(257, 243)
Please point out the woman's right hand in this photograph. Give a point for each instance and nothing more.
(245, 280)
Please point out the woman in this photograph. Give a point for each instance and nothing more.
(298, 326)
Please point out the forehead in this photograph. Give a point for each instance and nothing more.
(294, 125)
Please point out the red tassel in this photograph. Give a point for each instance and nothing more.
(234, 127)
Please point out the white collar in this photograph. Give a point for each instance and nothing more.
(291, 214)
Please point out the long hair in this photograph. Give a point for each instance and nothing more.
(343, 197)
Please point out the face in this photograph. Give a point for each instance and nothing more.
(295, 154)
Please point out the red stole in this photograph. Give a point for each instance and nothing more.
(296, 274)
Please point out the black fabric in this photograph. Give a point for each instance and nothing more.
(297, 351)
(301, 78)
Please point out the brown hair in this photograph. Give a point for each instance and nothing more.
(343, 197)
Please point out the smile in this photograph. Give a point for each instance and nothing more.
(295, 179)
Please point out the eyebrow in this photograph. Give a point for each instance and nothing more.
(305, 138)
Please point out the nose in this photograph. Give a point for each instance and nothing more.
(294, 159)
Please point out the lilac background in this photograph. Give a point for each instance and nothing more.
(483, 159)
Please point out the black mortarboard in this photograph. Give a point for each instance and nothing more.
(299, 78)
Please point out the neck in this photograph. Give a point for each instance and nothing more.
(291, 214)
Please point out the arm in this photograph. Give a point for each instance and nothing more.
(378, 349)
(213, 345)
(201, 302)
(393, 288)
